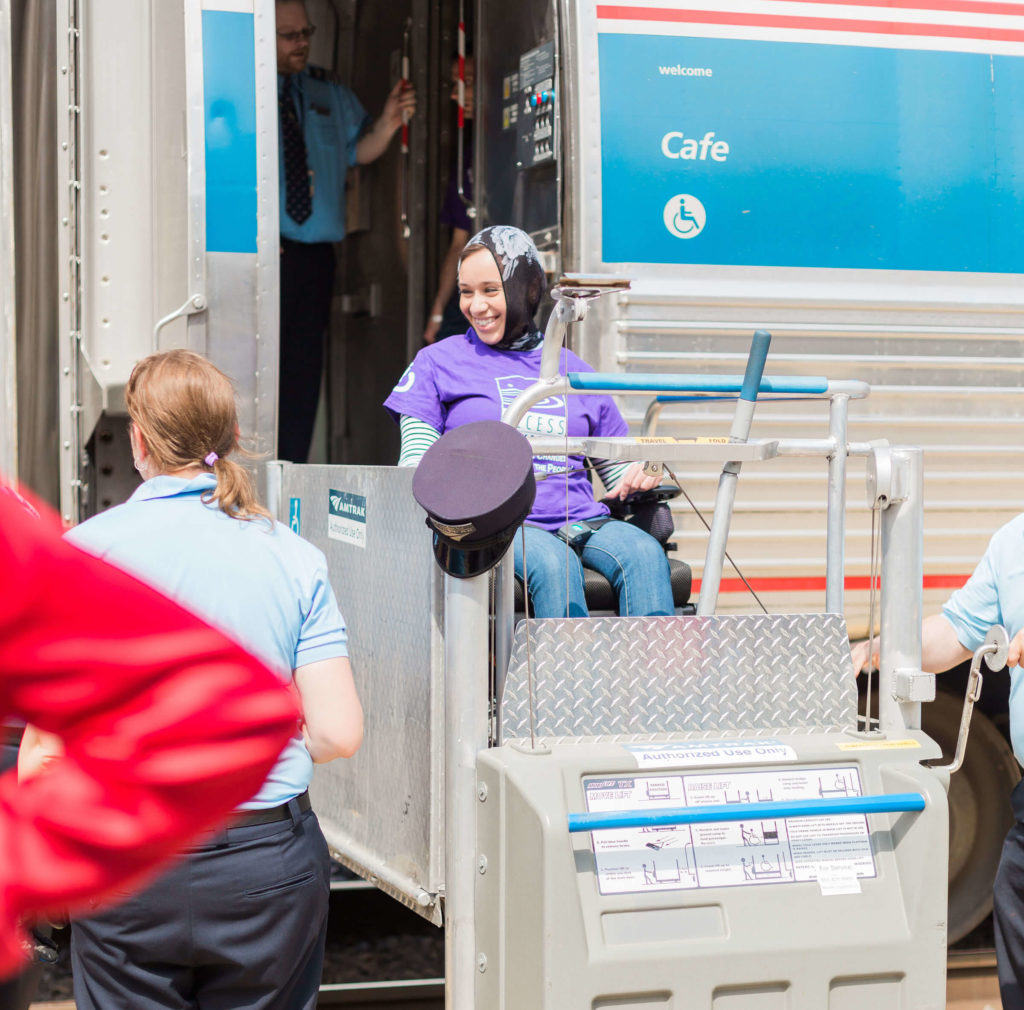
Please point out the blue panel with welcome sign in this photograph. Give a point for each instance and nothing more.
(726, 151)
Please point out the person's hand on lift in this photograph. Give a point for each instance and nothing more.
(634, 479)
(1016, 650)
(863, 653)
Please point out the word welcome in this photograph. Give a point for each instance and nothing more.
(680, 71)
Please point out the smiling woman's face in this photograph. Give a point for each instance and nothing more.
(482, 296)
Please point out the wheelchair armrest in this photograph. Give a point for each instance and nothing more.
(638, 499)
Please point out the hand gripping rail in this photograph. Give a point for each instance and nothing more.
(619, 819)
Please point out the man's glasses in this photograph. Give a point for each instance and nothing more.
(302, 35)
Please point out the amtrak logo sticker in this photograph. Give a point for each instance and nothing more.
(684, 216)
(346, 517)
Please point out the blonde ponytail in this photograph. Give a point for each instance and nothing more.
(184, 407)
(235, 493)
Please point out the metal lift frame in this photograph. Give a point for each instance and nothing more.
(895, 476)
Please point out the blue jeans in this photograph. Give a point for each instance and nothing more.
(631, 560)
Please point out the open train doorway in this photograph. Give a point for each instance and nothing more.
(386, 268)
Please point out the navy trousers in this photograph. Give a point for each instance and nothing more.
(16, 993)
(1008, 909)
(307, 279)
(240, 923)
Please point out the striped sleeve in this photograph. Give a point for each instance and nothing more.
(610, 471)
(417, 438)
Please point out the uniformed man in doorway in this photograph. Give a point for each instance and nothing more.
(323, 129)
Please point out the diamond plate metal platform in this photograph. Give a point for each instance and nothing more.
(643, 676)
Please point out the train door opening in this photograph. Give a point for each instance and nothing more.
(33, 389)
(387, 266)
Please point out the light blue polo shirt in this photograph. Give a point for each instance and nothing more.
(255, 581)
(994, 594)
(332, 122)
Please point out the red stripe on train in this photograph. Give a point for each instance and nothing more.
(959, 6)
(815, 583)
(610, 12)
(955, 6)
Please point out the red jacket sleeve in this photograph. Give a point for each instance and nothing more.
(167, 724)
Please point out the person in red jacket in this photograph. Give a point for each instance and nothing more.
(167, 726)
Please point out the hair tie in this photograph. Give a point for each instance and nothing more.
(211, 458)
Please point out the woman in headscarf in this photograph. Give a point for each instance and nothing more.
(474, 377)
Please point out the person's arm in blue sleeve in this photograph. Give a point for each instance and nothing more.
(374, 142)
(950, 638)
(332, 716)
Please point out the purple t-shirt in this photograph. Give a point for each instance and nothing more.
(461, 379)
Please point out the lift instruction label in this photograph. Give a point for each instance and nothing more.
(833, 850)
(711, 752)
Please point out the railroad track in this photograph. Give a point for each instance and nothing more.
(971, 981)
(413, 994)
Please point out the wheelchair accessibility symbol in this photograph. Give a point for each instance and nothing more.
(684, 216)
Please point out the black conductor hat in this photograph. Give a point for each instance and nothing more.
(476, 484)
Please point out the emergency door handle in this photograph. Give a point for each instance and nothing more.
(892, 803)
(193, 304)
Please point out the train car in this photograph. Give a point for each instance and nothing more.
(849, 182)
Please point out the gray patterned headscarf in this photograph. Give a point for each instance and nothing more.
(523, 279)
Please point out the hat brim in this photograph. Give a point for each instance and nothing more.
(464, 561)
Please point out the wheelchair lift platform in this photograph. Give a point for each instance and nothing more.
(639, 813)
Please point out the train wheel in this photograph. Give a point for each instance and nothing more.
(979, 808)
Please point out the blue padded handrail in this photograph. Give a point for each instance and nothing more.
(755, 365)
(663, 817)
(646, 382)
(730, 398)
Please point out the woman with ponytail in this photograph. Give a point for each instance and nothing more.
(242, 920)
(476, 376)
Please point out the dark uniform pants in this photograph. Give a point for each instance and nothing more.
(1008, 909)
(307, 280)
(239, 924)
(16, 993)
